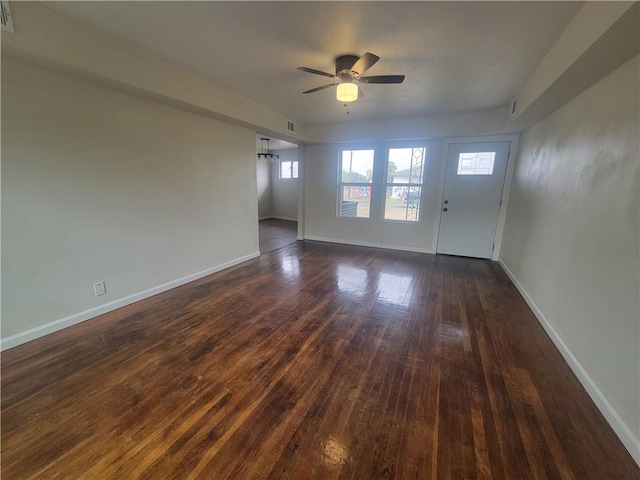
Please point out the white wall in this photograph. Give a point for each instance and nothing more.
(102, 185)
(571, 240)
(321, 176)
(285, 190)
(265, 190)
(49, 37)
(455, 125)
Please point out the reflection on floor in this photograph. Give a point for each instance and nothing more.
(313, 361)
(276, 233)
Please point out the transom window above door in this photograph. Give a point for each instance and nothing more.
(480, 163)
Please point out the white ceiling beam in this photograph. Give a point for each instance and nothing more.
(602, 37)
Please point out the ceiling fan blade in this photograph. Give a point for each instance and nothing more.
(317, 72)
(317, 89)
(364, 63)
(383, 79)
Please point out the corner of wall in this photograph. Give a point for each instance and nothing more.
(630, 441)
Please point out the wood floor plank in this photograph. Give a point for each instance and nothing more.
(275, 233)
(314, 361)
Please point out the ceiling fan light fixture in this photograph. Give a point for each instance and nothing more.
(347, 92)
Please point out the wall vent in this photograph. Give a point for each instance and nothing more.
(291, 127)
(5, 16)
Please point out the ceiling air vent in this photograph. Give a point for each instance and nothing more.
(291, 127)
(514, 107)
(5, 16)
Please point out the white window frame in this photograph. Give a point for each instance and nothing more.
(409, 185)
(282, 162)
(342, 185)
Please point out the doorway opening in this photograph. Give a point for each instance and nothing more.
(275, 233)
(278, 183)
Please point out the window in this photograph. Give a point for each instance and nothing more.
(288, 169)
(405, 171)
(354, 186)
(480, 163)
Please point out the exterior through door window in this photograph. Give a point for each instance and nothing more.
(480, 163)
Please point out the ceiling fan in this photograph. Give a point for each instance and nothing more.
(349, 70)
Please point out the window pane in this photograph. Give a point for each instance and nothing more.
(357, 166)
(294, 169)
(480, 163)
(355, 201)
(406, 165)
(285, 169)
(403, 203)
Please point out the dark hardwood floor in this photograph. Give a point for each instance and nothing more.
(275, 233)
(313, 361)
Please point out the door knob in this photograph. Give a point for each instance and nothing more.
(445, 209)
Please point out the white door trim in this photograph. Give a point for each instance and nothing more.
(502, 213)
(301, 193)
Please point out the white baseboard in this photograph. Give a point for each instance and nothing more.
(631, 443)
(277, 217)
(367, 244)
(37, 332)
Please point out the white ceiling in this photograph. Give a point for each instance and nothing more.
(457, 56)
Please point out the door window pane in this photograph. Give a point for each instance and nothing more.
(480, 163)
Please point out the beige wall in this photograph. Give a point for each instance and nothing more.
(285, 191)
(321, 176)
(49, 37)
(102, 185)
(571, 238)
(265, 189)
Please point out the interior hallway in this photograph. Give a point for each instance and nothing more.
(276, 233)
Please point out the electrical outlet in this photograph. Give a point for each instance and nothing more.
(99, 288)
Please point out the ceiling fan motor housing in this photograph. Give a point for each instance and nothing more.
(344, 64)
(349, 70)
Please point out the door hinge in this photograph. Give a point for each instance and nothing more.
(493, 247)
(500, 203)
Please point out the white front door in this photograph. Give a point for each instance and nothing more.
(472, 198)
